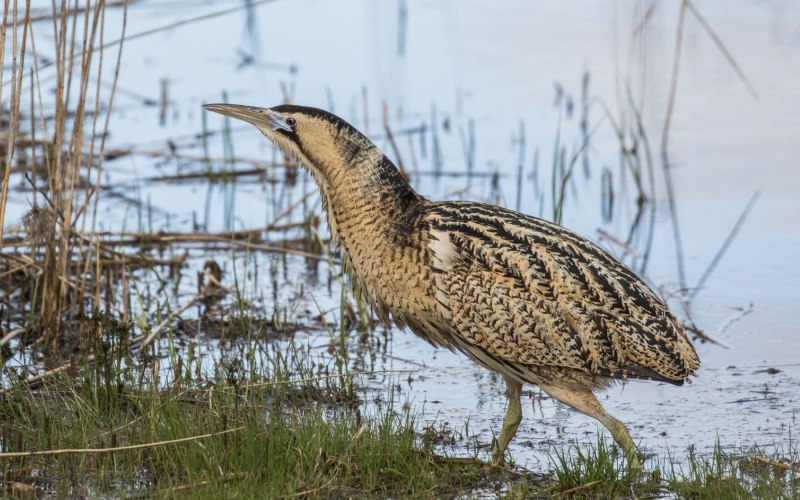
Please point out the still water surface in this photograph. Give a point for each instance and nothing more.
(499, 68)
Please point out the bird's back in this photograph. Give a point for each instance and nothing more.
(527, 297)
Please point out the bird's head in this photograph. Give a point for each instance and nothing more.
(321, 141)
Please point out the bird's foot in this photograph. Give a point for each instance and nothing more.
(497, 455)
(634, 462)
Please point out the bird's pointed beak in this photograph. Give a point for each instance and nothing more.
(262, 118)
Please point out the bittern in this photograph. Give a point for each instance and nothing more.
(521, 296)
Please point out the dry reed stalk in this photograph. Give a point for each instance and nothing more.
(722, 48)
(252, 235)
(314, 379)
(49, 295)
(85, 451)
(231, 174)
(259, 165)
(89, 195)
(773, 463)
(66, 193)
(616, 240)
(15, 270)
(11, 335)
(577, 488)
(314, 492)
(183, 487)
(16, 89)
(74, 11)
(211, 238)
(168, 492)
(75, 164)
(7, 172)
(36, 83)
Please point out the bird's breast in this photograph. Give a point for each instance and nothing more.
(396, 278)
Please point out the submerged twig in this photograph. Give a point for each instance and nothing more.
(392, 142)
(627, 248)
(743, 311)
(721, 46)
(724, 247)
(665, 163)
(703, 335)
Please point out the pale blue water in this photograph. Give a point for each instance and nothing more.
(497, 65)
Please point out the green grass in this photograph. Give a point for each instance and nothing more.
(268, 418)
(740, 474)
(276, 449)
(287, 434)
(599, 470)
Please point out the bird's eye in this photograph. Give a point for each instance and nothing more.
(291, 122)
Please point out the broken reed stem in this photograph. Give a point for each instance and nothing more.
(703, 335)
(168, 491)
(85, 451)
(578, 488)
(773, 463)
(11, 335)
(149, 338)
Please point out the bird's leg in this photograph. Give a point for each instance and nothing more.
(510, 421)
(586, 402)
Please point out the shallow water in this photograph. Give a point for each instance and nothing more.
(498, 67)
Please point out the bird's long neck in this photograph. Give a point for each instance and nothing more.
(366, 197)
(368, 200)
(374, 213)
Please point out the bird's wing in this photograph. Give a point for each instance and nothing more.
(528, 291)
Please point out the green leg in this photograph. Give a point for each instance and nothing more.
(623, 439)
(585, 402)
(510, 422)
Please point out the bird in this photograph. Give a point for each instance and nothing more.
(521, 296)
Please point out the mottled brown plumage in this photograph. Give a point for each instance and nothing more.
(522, 296)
